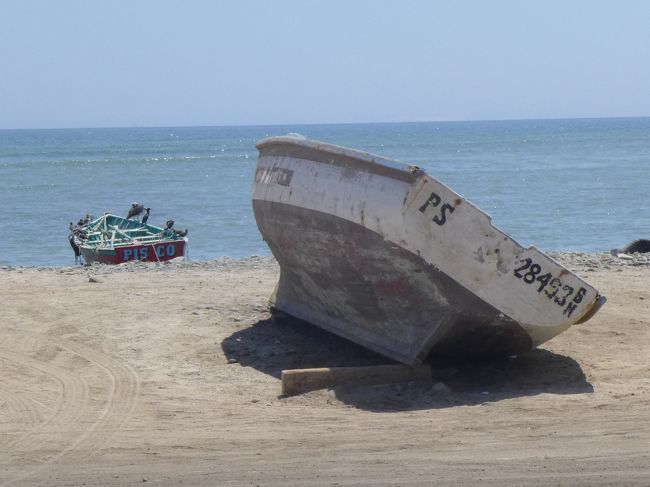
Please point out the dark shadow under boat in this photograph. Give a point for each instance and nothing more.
(281, 343)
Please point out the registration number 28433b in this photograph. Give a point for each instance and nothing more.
(551, 286)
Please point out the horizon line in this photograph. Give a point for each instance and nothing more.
(328, 123)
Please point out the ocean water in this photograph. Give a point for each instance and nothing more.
(557, 184)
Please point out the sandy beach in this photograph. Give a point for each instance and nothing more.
(170, 375)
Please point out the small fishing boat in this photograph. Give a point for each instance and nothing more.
(385, 255)
(111, 239)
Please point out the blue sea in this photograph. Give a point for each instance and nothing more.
(557, 184)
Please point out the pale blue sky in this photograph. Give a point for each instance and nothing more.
(159, 63)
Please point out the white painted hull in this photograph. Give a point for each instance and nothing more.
(385, 255)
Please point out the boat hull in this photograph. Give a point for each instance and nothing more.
(374, 293)
(386, 256)
(154, 252)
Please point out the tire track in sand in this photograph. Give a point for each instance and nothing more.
(16, 409)
(74, 402)
(72, 398)
(71, 394)
(123, 392)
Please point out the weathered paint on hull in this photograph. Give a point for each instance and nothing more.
(388, 257)
(158, 252)
(339, 275)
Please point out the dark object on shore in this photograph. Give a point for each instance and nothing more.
(641, 246)
(76, 238)
(135, 210)
(75, 248)
(146, 215)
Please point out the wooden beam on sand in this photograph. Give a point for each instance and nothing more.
(298, 381)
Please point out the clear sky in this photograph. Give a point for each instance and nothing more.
(199, 62)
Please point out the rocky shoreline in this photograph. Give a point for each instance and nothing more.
(223, 263)
(575, 261)
(593, 261)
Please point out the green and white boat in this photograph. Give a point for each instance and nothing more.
(112, 239)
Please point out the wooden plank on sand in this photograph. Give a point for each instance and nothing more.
(298, 381)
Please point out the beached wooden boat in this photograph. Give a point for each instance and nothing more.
(383, 254)
(112, 239)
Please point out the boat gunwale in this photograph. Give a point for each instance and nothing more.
(291, 146)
